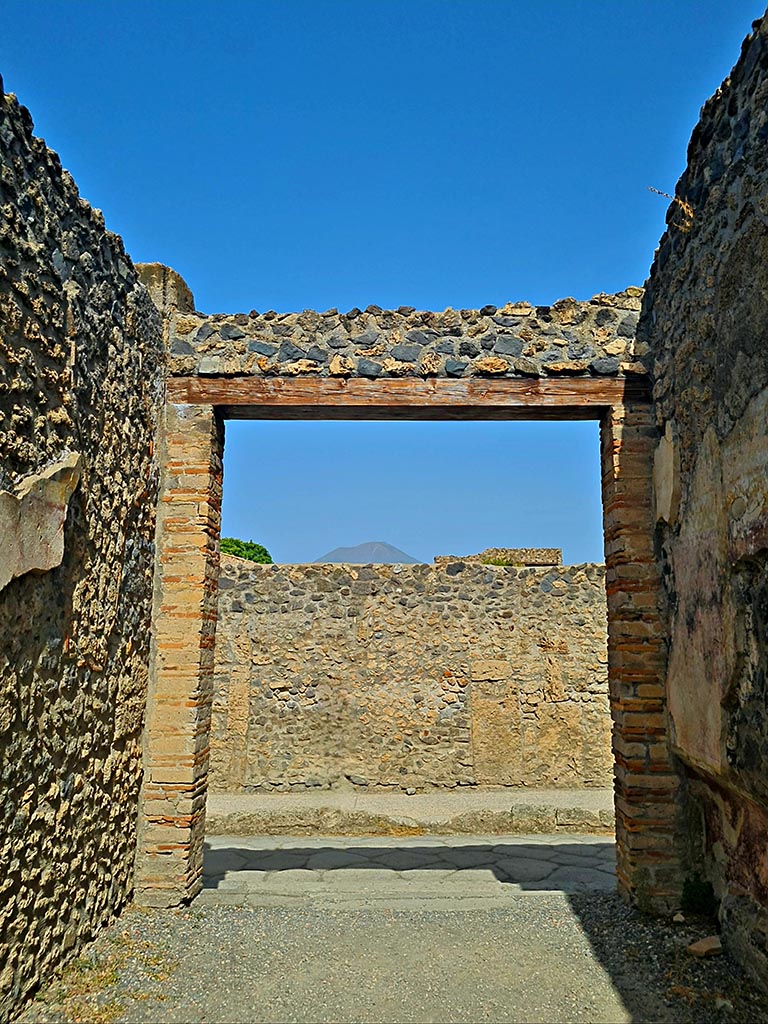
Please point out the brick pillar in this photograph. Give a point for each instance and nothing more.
(646, 783)
(177, 729)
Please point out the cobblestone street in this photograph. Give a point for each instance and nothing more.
(266, 870)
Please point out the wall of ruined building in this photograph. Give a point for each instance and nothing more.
(79, 395)
(410, 676)
(508, 556)
(569, 338)
(705, 318)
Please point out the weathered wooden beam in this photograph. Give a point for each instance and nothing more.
(408, 397)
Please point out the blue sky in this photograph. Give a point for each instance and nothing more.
(433, 153)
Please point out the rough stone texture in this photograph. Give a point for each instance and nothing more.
(569, 338)
(508, 556)
(410, 676)
(706, 319)
(80, 352)
(646, 778)
(468, 810)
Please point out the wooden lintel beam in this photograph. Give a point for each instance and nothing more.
(408, 397)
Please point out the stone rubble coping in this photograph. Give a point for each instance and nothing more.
(570, 338)
(508, 556)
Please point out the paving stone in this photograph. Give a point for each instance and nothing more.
(219, 861)
(362, 878)
(212, 880)
(403, 860)
(525, 869)
(578, 861)
(428, 879)
(476, 882)
(538, 851)
(293, 880)
(335, 859)
(571, 879)
(234, 881)
(393, 867)
(474, 840)
(277, 860)
(468, 858)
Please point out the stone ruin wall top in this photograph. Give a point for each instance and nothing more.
(508, 556)
(517, 340)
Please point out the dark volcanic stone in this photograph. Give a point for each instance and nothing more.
(420, 337)
(289, 352)
(230, 332)
(605, 367)
(262, 347)
(508, 345)
(604, 316)
(455, 367)
(368, 338)
(368, 368)
(579, 350)
(628, 326)
(179, 347)
(406, 353)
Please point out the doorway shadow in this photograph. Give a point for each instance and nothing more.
(566, 867)
(648, 963)
(643, 957)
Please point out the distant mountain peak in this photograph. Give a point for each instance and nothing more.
(372, 552)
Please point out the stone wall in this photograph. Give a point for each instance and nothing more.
(508, 556)
(79, 395)
(569, 338)
(410, 676)
(706, 319)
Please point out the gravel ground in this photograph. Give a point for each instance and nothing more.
(548, 957)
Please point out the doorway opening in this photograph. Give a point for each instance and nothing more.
(644, 782)
(479, 661)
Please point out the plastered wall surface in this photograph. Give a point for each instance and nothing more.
(410, 676)
(80, 354)
(705, 318)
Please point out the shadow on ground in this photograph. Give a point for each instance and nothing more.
(649, 965)
(644, 958)
(567, 867)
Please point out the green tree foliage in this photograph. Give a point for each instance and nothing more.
(246, 549)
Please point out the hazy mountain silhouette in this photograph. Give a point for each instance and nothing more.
(371, 552)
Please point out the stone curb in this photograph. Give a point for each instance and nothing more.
(520, 819)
